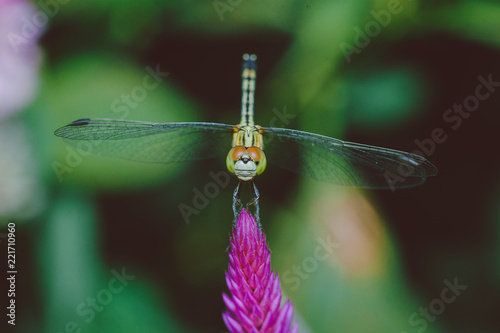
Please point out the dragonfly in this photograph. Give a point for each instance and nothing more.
(248, 147)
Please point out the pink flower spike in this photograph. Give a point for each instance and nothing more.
(250, 274)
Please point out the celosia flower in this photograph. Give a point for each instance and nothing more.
(254, 304)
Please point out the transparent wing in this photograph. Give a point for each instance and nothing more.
(149, 142)
(344, 163)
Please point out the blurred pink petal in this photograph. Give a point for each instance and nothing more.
(20, 27)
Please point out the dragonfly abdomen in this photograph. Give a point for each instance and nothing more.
(248, 76)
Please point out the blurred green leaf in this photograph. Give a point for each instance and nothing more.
(95, 86)
(69, 259)
(137, 309)
(385, 98)
(78, 290)
(478, 20)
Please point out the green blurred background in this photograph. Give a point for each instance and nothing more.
(83, 219)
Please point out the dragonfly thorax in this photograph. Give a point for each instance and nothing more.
(246, 163)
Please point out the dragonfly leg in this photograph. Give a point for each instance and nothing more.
(236, 202)
(255, 202)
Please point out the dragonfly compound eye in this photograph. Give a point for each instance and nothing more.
(234, 155)
(258, 157)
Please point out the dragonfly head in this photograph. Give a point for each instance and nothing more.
(246, 163)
